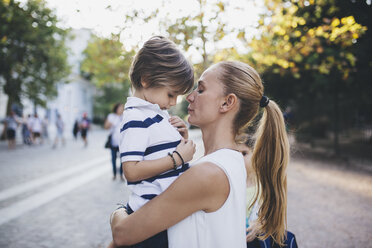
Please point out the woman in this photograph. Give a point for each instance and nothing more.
(113, 123)
(205, 206)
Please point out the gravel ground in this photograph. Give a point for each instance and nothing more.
(329, 204)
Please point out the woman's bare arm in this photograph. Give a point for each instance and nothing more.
(203, 187)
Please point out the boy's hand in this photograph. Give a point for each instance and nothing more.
(187, 149)
(178, 123)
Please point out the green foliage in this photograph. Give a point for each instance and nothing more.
(107, 64)
(309, 55)
(197, 30)
(33, 53)
(107, 96)
(106, 61)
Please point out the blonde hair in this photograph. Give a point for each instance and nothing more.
(271, 150)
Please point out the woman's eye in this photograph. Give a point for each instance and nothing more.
(200, 91)
(244, 153)
(169, 95)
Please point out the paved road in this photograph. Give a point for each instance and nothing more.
(63, 197)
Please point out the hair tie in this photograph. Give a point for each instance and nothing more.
(264, 101)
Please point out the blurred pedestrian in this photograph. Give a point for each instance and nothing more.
(112, 122)
(30, 120)
(26, 133)
(60, 128)
(84, 128)
(44, 127)
(75, 129)
(11, 124)
(36, 128)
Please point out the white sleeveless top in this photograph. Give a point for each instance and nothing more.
(225, 227)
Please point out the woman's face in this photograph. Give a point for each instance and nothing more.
(206, 100)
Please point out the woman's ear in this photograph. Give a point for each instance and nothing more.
(231, 101)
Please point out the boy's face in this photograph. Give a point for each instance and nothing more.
(163, 96)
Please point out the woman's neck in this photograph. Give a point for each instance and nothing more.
(216, 137)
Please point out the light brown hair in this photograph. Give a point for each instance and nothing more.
(161, 64)
(271, 150)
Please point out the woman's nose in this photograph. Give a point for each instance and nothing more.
(190, 97)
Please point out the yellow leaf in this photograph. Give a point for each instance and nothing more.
(335, 22)
(297, 33)
(348, 20)
(241, 35)
(302, 21)
(319, 31)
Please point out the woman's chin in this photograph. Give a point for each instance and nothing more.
(191, 120)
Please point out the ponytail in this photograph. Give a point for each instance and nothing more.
(271, 152)
(269, 161)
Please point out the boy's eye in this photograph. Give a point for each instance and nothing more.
(200, 91)
(244, 153)
(170, 95)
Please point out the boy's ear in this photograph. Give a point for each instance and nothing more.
(231, 101)
(144, 84)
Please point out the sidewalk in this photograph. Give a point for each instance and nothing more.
(58, 197)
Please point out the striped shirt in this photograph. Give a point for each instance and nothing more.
(146, 134)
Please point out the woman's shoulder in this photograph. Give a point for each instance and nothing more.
(206, 173)
(223, 156)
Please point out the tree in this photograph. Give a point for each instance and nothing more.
(305, 52)
(33, 53)
(107, 64)
(198, 31)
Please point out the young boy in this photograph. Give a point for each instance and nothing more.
(152, 150)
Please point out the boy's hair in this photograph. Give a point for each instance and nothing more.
(160, 63)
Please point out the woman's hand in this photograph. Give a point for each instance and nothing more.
(178, 123)
(187, 149)
(252, 231)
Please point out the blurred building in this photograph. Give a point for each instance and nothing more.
(74, 98)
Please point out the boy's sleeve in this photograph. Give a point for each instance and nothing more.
(133, 141)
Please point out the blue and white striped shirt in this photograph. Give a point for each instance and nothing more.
(146, 134)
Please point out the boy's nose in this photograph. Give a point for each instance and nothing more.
(173, 102)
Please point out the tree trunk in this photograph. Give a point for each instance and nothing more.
(336, 120)
(202, 34)
(12, 89)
